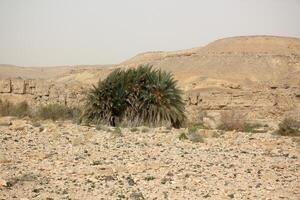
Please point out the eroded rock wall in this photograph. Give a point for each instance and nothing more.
(38, 92)
(273, 102)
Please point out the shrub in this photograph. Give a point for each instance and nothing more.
(145, 130)
(99, 127)
(289, 127)
(134, 129)
(193, 135)
(56, 112)
(21, 109)
(251, 127)
(144, 95)
(149, 178)
(5, 108)
(182, 136)
(232, 120)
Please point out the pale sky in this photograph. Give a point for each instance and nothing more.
(72, 32)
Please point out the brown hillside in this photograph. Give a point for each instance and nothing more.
(244, 60)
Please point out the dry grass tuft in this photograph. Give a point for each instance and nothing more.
(289, 127)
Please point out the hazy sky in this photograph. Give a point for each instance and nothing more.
(68, 32)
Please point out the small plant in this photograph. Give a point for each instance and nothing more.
(55, 112)
(5, 107)
(149, 178)
(99, 127)
(182, 136)
(36, 124)
(193, 129)
(135, 129)
(21, 109)
(193, 134)
(145, 130)
(117, 132)
(289, 127)
(251, 128)
(195, 137)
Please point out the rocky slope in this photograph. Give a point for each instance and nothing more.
(67, 161)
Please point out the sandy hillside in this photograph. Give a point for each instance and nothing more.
(243, 60)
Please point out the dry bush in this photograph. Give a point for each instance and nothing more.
(289, 127)
(5, 108)
(232, 120)
(21, 109)
(57, 112)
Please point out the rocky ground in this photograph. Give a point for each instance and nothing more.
(67, 161)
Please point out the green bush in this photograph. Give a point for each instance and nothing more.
(182, 136)
(289, 127)
(143, 94)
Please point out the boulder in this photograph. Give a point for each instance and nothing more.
(5, 121)
(18, 125)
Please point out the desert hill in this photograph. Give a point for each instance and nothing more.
(238, 60)
(257, 74)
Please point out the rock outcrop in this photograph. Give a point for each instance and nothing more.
(38, 92)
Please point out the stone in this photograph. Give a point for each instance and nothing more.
(30, 86)
(297, 93)
(3, 158)
(18, 125)
(5, 86)
(6, 121)
(3, 183)
(208, 133)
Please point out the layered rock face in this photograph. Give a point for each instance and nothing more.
(40, 92)
(256, 104)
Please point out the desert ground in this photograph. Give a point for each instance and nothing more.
(255, 77)
(62, 160)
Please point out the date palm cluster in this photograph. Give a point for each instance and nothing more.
(144, 95)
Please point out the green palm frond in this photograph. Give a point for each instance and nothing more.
(139, 94)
